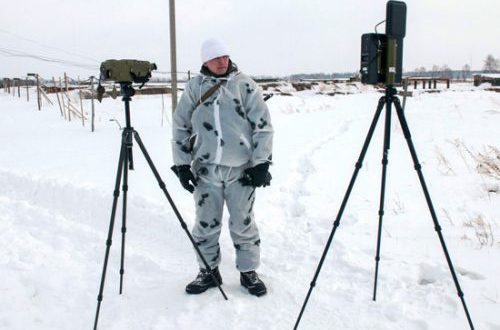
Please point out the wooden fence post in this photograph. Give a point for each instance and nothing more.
(92, 100)
(81, 103)
(17, 83)
(57, 94)
(27, 90)
(62, 98)
(67, 95)
(39, 97)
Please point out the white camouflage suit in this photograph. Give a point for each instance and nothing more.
(228, 133)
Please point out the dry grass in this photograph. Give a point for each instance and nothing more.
(489, 162)
(482, 230)
(448, 216)
(398, 205)
(486, 162)
(443, 165)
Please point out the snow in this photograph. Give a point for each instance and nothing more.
(57, 180)
(491, 75)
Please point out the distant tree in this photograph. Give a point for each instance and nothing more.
(466, 71)
(419, 72)
(446, 72)
(491, 64)
(435, 70)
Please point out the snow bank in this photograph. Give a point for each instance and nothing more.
(57, 180)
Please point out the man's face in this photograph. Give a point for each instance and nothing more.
(218, 65)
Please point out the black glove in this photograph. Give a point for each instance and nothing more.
(257, 176)
(185, 176)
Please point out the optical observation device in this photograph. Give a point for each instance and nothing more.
(127, 71)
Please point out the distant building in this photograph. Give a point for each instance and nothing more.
(492, 78)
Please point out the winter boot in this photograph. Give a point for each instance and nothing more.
(253, 283)
(204, 281)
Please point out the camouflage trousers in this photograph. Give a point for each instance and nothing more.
(218, 185)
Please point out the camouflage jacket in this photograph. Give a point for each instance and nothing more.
(231, 128)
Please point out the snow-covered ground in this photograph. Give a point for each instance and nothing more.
(57, 179)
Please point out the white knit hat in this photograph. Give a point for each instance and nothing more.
(213, 48)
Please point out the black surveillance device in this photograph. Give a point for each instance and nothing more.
(382, 54)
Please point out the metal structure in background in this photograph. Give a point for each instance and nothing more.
(173, 56)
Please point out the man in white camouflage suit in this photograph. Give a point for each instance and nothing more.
(222, 148)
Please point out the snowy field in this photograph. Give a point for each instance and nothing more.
(57, 180)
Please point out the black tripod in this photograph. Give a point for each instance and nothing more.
(125, 163)
(387, 100)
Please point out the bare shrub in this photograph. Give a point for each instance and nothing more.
(489, 162)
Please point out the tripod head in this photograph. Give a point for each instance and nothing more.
(126, 91)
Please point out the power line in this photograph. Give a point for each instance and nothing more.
(48, 46)
(17, 53)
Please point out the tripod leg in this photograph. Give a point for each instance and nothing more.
(127, 160)
(179, 217)
(359, 164)
(437, 227)
(385, 161)
(116, 194)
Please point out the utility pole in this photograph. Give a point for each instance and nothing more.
(173, 57)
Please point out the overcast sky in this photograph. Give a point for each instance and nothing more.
(266, 37)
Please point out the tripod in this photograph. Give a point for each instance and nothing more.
(125, 163)
(387, 101)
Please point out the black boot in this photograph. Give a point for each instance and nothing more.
(204, 281)
(253, 283)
